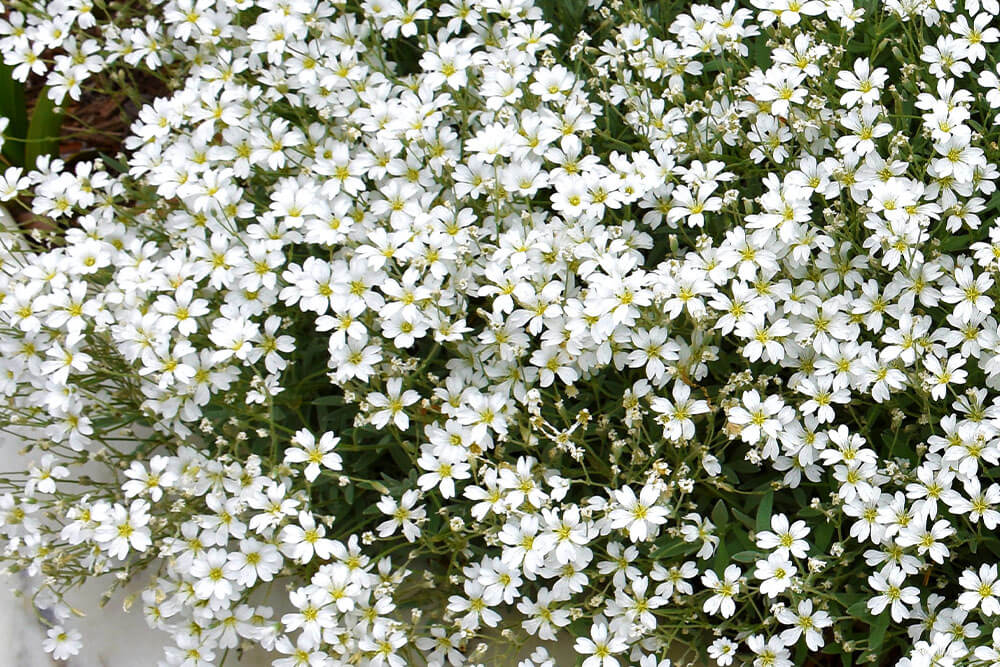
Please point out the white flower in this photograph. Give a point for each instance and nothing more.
(691, 206)
(980, 505)
(788, 12)
(640, 515)
(62, 643)
(152, 481)
(723, 651)
(601, 647)
(303, 653)
(677, 414)
(863, 84)
(300, 542)
(403, 515)
(702, 529)
(389, 406)
(759, 419)
(724, 590)
(441, 473)
(804, 620)
(527, 545)
(888, 583)
(542, 616)
(776, 573)
(770, 652)
(43, 475)
(865, 128)
(941, 376)
(315, 453)
(123, 529)
(213, 574)
(785, 537)
(982, 590)
(474, 607)
(255, 560)
(233, 337)
(927, 541)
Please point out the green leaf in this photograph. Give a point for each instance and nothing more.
(764, 512)
(12, 107)
(832, 648)
(993, 544)
(860, 610)
(721, 557)
(740, 541)
(745, 519)
(800, 654)
(673, 548)
(12, 102)
(720, 516)
(43, 130)
(877, 634)
(824, 534)
(746, 556)
(329, 400)
(730, 475)
(398, 455)
(761, 53)
(954, 242)
(116, 165)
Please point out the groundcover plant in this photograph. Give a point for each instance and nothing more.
(431, 333)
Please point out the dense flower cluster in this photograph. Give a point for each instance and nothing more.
(675, 337)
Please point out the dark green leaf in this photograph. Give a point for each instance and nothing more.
(745, 519)
(833, 648)
(116, 165)
(860, 610)
(877, 634)
(993, 544)
(721, 557)
(720, 517)
(824, 534)
(43, 129)
(674, 548)
(12, 107)
(329, 400)
(730, 475)
(746, 556)
(399, 456)
(764, 512)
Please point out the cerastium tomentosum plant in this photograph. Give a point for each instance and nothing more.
(459, 328)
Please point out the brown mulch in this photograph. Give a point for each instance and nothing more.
(94, 125)
(97, 122)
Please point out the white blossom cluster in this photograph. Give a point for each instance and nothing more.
(403, 331)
